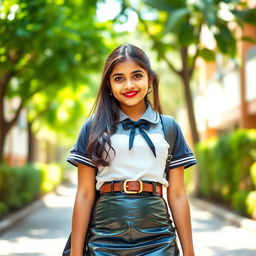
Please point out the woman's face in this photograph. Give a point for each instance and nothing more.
(129, 83)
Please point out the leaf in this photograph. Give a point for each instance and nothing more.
(246, 15)
(176, 19)
(207, 54)
(209, 11)
(186, 35)
(163, 47)
(226, 1)
(249, 39)
(225, 40)
(23, 33)
(166, 5)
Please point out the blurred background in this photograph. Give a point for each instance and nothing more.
(51, 58)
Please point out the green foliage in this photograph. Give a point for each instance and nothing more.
(251, 204)
(18, 185)
(46, 46)
(166, 5)
(51, 176)
(21, 185)
(176, 20)
(246, 15)
(184, 20)
(208, 8)
(43, 40)
(238, 201)
(3, 208)
(205, 156)
(227, 168)
(186, 35)
(207, 54)
(225, 40)
(248, 39)
(253, 173)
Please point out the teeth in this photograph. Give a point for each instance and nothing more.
(130, 93)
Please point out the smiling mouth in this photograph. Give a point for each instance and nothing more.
(131, 94)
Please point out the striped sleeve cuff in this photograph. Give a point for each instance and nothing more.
(75, 158)
(185, 161)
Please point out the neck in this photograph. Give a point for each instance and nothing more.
(134, 112)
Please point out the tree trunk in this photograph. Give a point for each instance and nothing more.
(2, 139)
(2, 129)
(4, 125)
(31, 144)
(185, 77)
(190, 110)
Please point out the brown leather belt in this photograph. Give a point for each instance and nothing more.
(132, 187)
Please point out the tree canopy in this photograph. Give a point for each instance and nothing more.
(45, 46)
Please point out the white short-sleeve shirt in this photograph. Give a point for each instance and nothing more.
(139, 162)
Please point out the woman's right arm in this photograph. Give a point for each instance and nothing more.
(84, 200)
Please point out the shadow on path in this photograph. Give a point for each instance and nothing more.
(45, 231)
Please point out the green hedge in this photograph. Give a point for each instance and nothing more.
(227, 170)
(21, 185)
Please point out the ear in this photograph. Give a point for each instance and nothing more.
(150, 80)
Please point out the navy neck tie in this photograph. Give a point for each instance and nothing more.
(142, 125)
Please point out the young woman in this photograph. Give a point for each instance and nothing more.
(121, 156)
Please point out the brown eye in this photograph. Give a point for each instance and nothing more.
(118, 78)
(136, 76)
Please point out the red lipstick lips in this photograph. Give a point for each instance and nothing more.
(130, 94)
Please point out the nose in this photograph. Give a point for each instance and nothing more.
(129, 84)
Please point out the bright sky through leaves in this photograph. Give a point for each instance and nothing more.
(109, 9)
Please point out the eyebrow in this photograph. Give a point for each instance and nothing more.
(135, 71)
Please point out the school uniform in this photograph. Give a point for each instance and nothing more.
(133, 224)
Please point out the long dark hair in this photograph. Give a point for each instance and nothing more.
(106, 106)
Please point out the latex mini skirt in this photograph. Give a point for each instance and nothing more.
(131, 224)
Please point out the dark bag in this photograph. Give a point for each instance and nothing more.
(170, 136)
(67, 248)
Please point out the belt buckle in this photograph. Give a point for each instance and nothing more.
(132, 192)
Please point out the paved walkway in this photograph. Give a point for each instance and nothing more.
(214, 236)
(44, 232)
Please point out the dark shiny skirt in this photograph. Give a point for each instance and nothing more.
(127, 225)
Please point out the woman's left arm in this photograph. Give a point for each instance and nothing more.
(179, 206)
